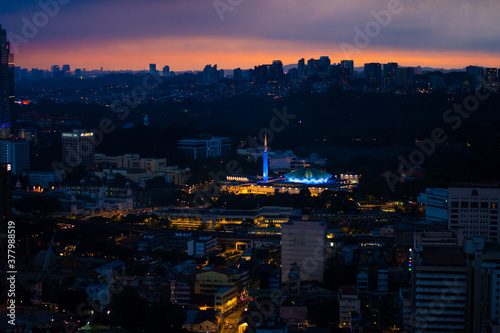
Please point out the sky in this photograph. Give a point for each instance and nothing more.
(189, 34)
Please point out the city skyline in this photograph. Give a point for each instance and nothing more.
(187, 35)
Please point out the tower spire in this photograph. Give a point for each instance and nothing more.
(264, 161)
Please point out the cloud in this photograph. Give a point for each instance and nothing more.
(447, 25)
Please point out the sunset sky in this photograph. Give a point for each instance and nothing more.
(188, 34)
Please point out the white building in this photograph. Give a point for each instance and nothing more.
(474, 209)
(349, 305)
(436, 204)
(15, 152)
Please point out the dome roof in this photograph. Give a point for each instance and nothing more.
(308, 176)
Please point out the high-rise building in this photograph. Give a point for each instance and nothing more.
(78, 73)
(237, 74)
(473, 208)
(324, 64)
(390, 74)
(78, 148)
(439, 283)
(152, 69)
(5, 191)
(276, 71)
(261, 73)
(349, 64)
(373, 72)
(166, 71)
(210, 74)
(312, 67)
(478, 74)
(6, 84)
(491, 75)
(15, 152)
(303, 244)
(66, 70)
(406, 76)
(301, 67)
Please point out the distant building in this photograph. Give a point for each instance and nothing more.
(301, 68)
(373, 73)
(237, 74)
(304, 243)
(276, 71)
(205, 146)
(153, 70)
(390, 74)
(210, 74)
(78, 148)
(15, 152)
(348, 64)
(491, 78)
(406, 76)
(166, 71)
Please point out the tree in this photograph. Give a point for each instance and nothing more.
(37, 204)
(128, 309)
(164, 316)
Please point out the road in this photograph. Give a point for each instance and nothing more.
(234, 318)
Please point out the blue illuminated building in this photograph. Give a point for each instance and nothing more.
(308, 176)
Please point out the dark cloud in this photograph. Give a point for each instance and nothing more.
(424, 24)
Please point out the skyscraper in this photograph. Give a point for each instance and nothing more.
(166, 71)
(276, 71)
(78, 148)
(390, 74)
(301, 68)
(373, 72)
(348, 64)
(6, 84)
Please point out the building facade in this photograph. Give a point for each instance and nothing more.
(78, 148)
(205, 146)
(474, 209)
(15, 152)
(6, 84)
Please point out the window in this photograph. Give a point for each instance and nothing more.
(474, 205)
(464, 204)
(484, 205)
(454, 204)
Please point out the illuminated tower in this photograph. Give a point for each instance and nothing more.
(264, 161)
